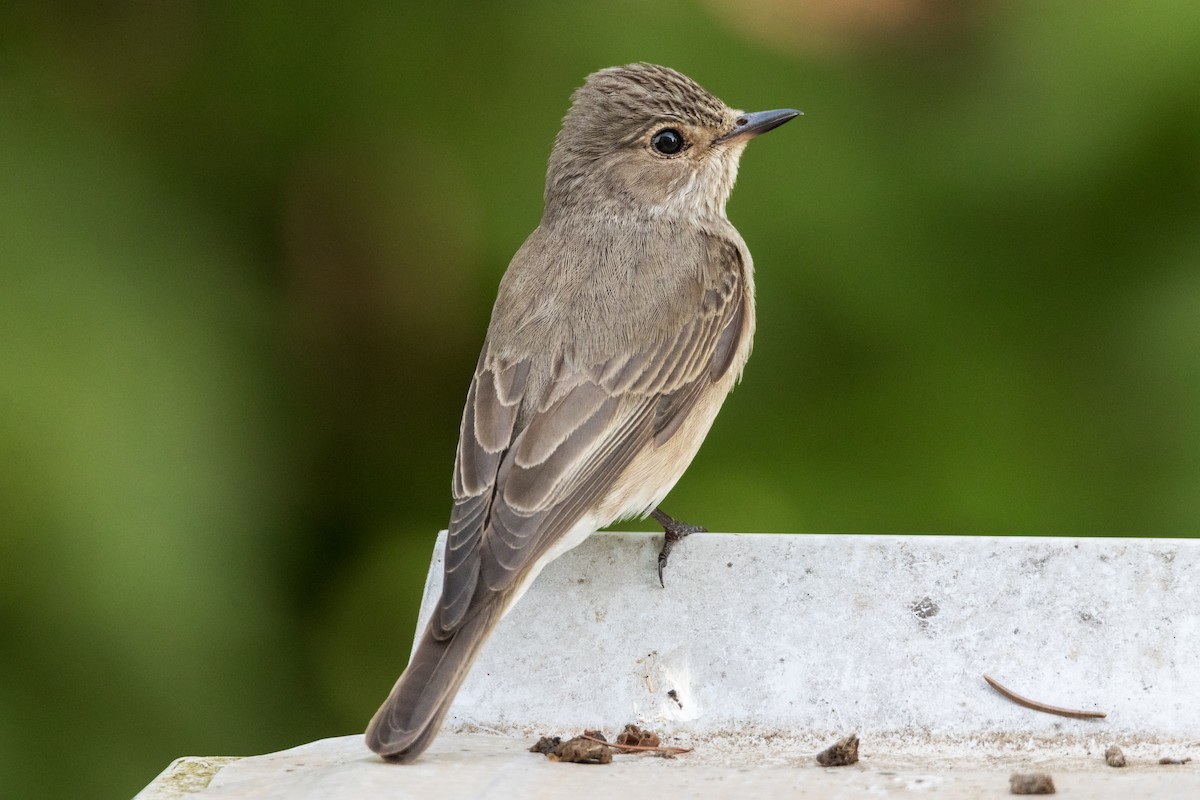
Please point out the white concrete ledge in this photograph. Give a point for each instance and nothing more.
(883, 635)
(764, 648)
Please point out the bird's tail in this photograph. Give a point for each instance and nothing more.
(404, 726)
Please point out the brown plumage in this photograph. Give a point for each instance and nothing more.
(619, 328)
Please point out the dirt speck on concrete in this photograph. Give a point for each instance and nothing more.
(581, 751)
(545, 744)
(1031, 783)
(1114, 757)
(1172, 760)
(841, 753)
(634, 736)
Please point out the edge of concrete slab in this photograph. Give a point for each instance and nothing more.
(185, 776)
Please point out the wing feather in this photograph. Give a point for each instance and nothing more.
(530, 486)
(549, 430)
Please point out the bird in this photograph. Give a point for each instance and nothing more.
(618, 329)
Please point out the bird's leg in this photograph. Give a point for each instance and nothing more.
(674, 530)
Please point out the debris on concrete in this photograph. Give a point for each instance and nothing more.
(636, 737)
(546, 744)
(1114, 757)
(841, 753)
(1031, 783)
(586, 747)
(1043, 707)
(581, 750)
(1170, 760)
(635, 740)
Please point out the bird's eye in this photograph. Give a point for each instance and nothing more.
(668, 141)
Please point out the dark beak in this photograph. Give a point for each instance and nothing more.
(750, 125)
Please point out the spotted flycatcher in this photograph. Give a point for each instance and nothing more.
(619, 328)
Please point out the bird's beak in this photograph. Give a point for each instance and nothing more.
(750, 125)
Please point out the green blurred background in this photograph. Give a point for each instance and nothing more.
(248, 252)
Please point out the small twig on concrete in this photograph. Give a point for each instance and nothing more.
(1036, 706)
(638, 748)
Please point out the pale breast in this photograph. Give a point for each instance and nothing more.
(655, 471)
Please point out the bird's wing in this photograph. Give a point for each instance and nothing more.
(527, 469)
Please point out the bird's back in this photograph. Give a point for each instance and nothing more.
(585, 292)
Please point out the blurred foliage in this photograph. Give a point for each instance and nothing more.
(247, 256)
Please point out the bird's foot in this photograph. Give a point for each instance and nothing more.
(675, 531)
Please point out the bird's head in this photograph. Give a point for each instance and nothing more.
(647, 140)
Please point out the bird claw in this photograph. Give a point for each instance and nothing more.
(674, 531)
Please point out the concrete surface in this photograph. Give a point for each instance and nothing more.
(501, 768)
(764, 648)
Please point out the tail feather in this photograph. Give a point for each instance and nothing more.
(404, 726)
